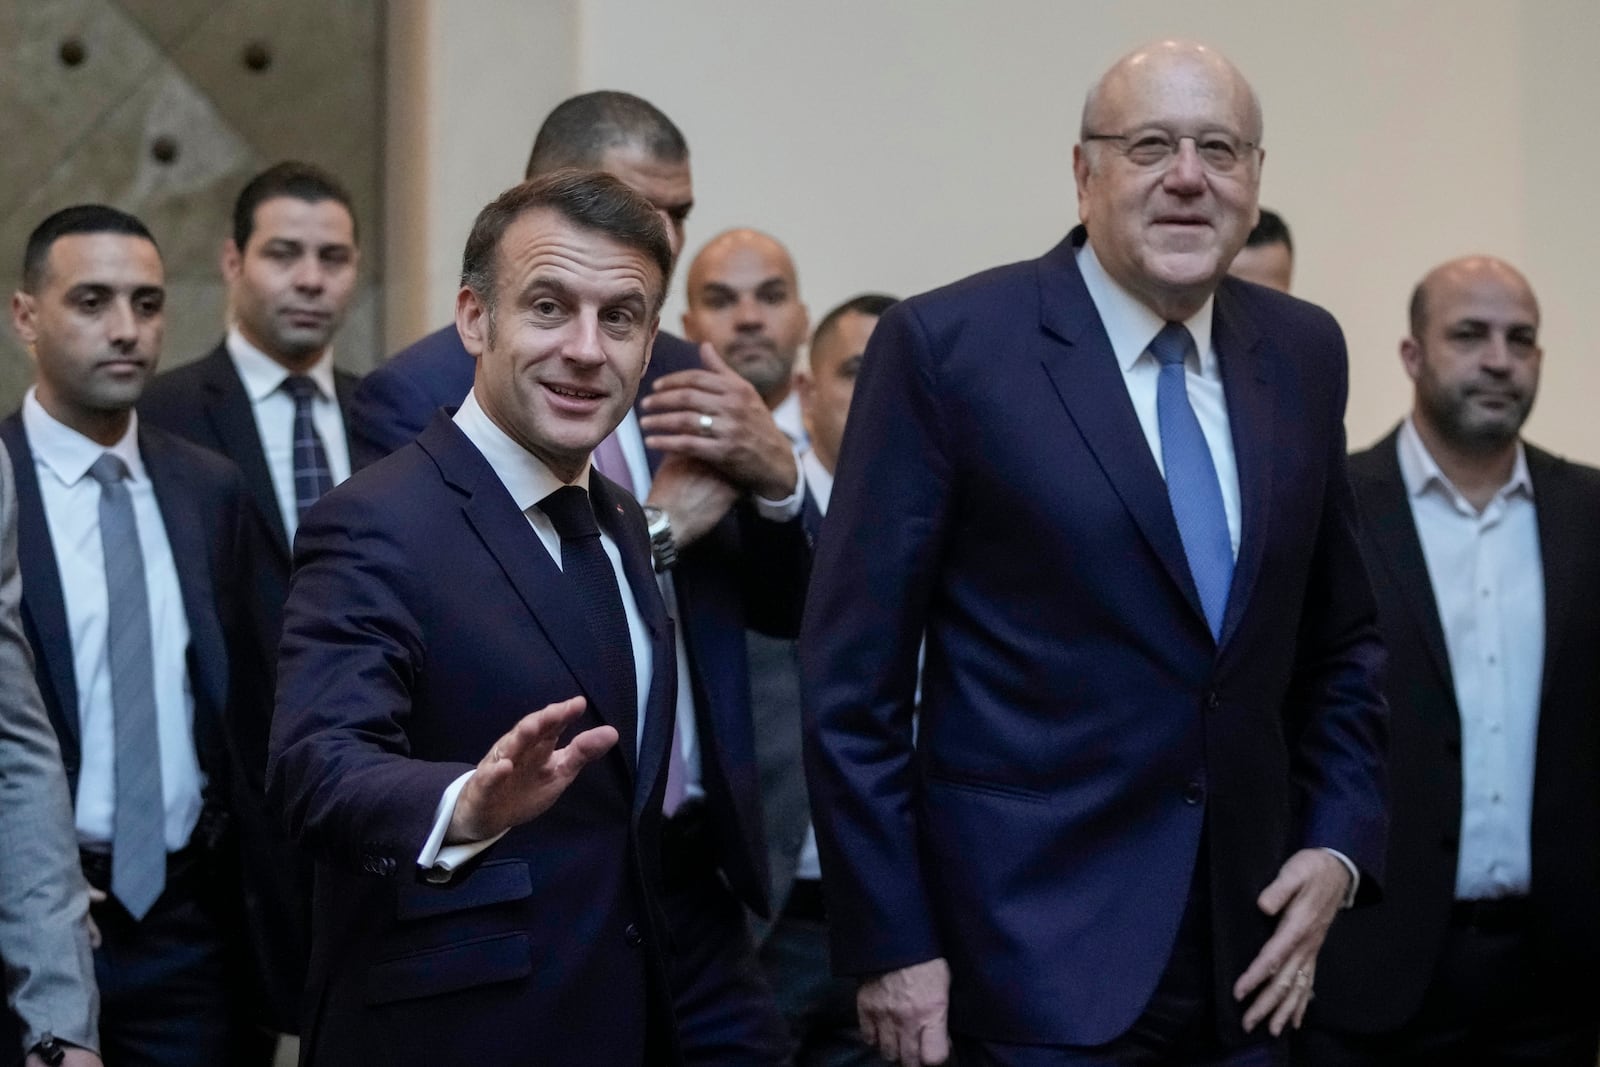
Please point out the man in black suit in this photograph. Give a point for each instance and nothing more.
(484, 893)
(137, 550)
(1486, 946)
(721, 488)
(268, 396)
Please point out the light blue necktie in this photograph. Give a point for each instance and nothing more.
(1192, 485)
(138, 828)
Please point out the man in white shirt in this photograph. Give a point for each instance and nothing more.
(1486, 945)
(744, 300)
(138, 552)
(476, 681)
(269, 396)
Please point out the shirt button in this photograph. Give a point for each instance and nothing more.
(1492, 659)
(1486, 594)
(1194, 792)
(631, 934)
(1495, 796)
(1494, 728)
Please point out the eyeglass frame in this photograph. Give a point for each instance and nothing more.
(1245, 148)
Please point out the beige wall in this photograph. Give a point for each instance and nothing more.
(898, 146)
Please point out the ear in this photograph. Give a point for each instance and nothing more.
(232, 260)
(1411, 357)
(24, 312)
(687, 322)
(472, 321)
(1080, 176)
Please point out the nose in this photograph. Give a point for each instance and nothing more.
(1497, 354)
(122, 325)
(748, 313)
(584, 346)
(1185, 173)
(308, 274)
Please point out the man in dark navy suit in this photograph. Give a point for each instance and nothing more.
(477, 680)
(138, 552)
(1109, 487)
(721, 489)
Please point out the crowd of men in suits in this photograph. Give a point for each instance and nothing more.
(517, 703)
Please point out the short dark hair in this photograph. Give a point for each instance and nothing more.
(291, 178)
(580, 130)
(1271, 230)
(590, 199)
(80, 218)
(873, 304)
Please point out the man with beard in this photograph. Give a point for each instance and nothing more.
(744, 300)
(1486, 945)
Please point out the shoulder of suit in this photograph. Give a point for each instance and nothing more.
(442, 346)
(166, 453)
(1578, 477)
(975, 289)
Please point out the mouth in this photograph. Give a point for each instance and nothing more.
(307, 318)
(751, 347)
(1183, 221)
(573, 399)
(121, 365)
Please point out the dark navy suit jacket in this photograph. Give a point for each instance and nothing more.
(1081, 731)
(1379, 962)
(425, 618)
(745, 573)
(217, 544)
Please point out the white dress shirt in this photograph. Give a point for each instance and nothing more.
(273, 409)
(529, 481)
(1488, 582)
(1131, 326)
(62, 457)
(791, 421)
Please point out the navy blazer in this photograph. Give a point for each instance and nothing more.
(424, 619)
(1081, 731)
(217, 546)
(744, 573)
(1379, 962)
(206, 403)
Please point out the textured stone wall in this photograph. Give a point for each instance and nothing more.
(165, 108)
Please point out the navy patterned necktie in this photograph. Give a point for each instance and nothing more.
(1192, 485)
(312, 475)
(138, 829)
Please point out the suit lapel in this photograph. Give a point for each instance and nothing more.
(1081, 365)
(227, 406)
(1386, 511)
(344, 391)
(1246, 388)
(535, 577)
(1558, 552)
(43, 604)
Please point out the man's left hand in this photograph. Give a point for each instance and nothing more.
(1305, 897)
(716, 416)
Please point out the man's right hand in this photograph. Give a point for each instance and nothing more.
(694, 496)
(905, 1013)
(524, 772)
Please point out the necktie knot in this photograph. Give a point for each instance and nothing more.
(570, 512)
(108, 470)
(301, 387)
(1172, 345)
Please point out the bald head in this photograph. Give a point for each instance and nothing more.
(744, 298)
(1473, 355)
(1168, 168)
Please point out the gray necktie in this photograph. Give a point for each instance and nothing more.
(138, 835)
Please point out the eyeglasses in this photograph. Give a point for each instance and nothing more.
(1152, 149)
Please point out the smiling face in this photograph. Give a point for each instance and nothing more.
(563, 344)
(291, 285)
(93, 326)
(1167, 232)
(1475, 359)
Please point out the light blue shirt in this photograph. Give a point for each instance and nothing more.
(1488, 583)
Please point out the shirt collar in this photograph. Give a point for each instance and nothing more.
(524, 475)
(817, 479)
(787, 416)
(68, 454)
(262, 375)
(1130, 324)
(1420, 472)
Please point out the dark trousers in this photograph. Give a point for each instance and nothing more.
(819, 1006)
(1178, 1028)
(164, 989)
(725, 1011)
(1491, 1002)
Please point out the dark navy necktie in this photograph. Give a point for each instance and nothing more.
(588, 568)
(1192, 485)
(312, 475)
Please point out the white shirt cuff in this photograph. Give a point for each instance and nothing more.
(1355, 876)
(438, 860)
(787, 508)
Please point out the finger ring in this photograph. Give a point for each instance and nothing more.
(706, 422)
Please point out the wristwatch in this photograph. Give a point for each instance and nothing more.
(49, 1050)
(663, 549)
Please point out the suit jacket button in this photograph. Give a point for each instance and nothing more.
(1212, 701)
(1194, 792)
(389, 865)
(632, 935)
